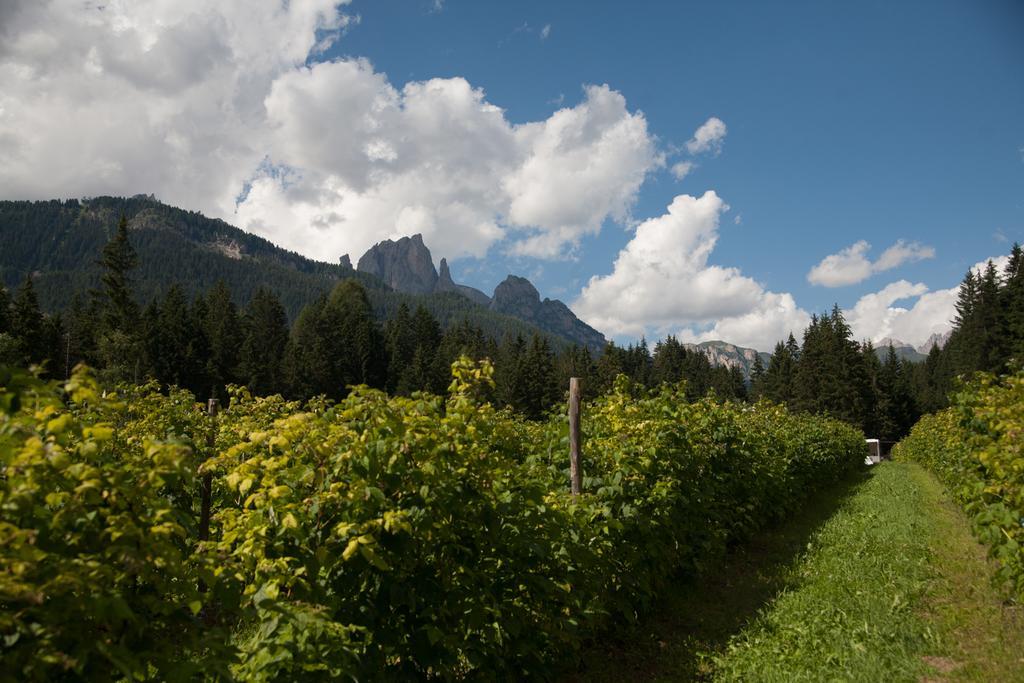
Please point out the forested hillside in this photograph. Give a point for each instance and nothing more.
(59, 243)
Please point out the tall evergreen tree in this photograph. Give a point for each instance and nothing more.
(117, 341)
(261, 357)
(897, 411)
(401, 346)
(307, 357)
(336, 344)
(757, 372)
(510, 373)
(538, 372)
(176, 345)
(5, 311)
(223, 332)
(28, 324)
(426, 371)
(118, 259)
(1013, 304)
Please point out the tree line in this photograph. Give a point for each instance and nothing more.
(208, 342)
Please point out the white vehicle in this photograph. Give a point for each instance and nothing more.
(874, 452)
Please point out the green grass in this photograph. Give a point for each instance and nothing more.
(849, 613)
(876, 580)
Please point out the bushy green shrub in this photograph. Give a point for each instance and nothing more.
(976, 447)
(378, 538)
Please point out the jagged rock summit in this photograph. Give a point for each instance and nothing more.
(446, 284)
(517, 296)
(406, 266)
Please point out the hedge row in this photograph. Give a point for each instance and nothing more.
(379, 538)
(976, 447)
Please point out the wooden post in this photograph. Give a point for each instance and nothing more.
(204, 512)
(575, 471)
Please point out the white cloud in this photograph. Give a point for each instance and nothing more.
(681, 169)
(545, 32)
(900, 253)
(877, 316)
(201, 104)
(852, 265)
(661, 282)
(847, 267)
(708, 138)
(163, 97)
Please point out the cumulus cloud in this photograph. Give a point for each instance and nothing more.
(708, 138)
(225, 109)
(162, 97)
(545, 32)
(852, 265)
(661, 282)
(878, 316)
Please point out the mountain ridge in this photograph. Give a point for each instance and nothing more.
(407, 265)
(59, 242)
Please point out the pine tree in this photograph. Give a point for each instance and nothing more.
(401, 346)
(176, 343)
(223, 332)
(576, 361)
(757, 372)
(261, 357)
(425, 371)
(118, 259)
(539, 379)
(610, 365)
(779, 377)
(896, 409)
(509, 374)
(5, 311)
(668, 362)
(872, 371)
(965, 342)
(307, 359)
(1013, 304)
(28, 324)
(358, 351)
(991, 321)
(117, 341)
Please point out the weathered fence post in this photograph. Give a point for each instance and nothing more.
(204, 512)
(575, 471)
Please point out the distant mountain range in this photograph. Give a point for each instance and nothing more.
(59, 242)
(909, 352)
(730, 355)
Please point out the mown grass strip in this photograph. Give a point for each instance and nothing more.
(850, 613)
(875, 580)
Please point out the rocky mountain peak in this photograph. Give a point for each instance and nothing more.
(404, 264)
(516, 294)
(937, 339)
(444, 275)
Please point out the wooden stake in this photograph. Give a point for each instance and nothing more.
(575, 471)
(204, 512)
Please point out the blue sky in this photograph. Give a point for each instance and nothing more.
(338, 124)
(847, 121)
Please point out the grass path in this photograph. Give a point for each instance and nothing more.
(876, 580)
